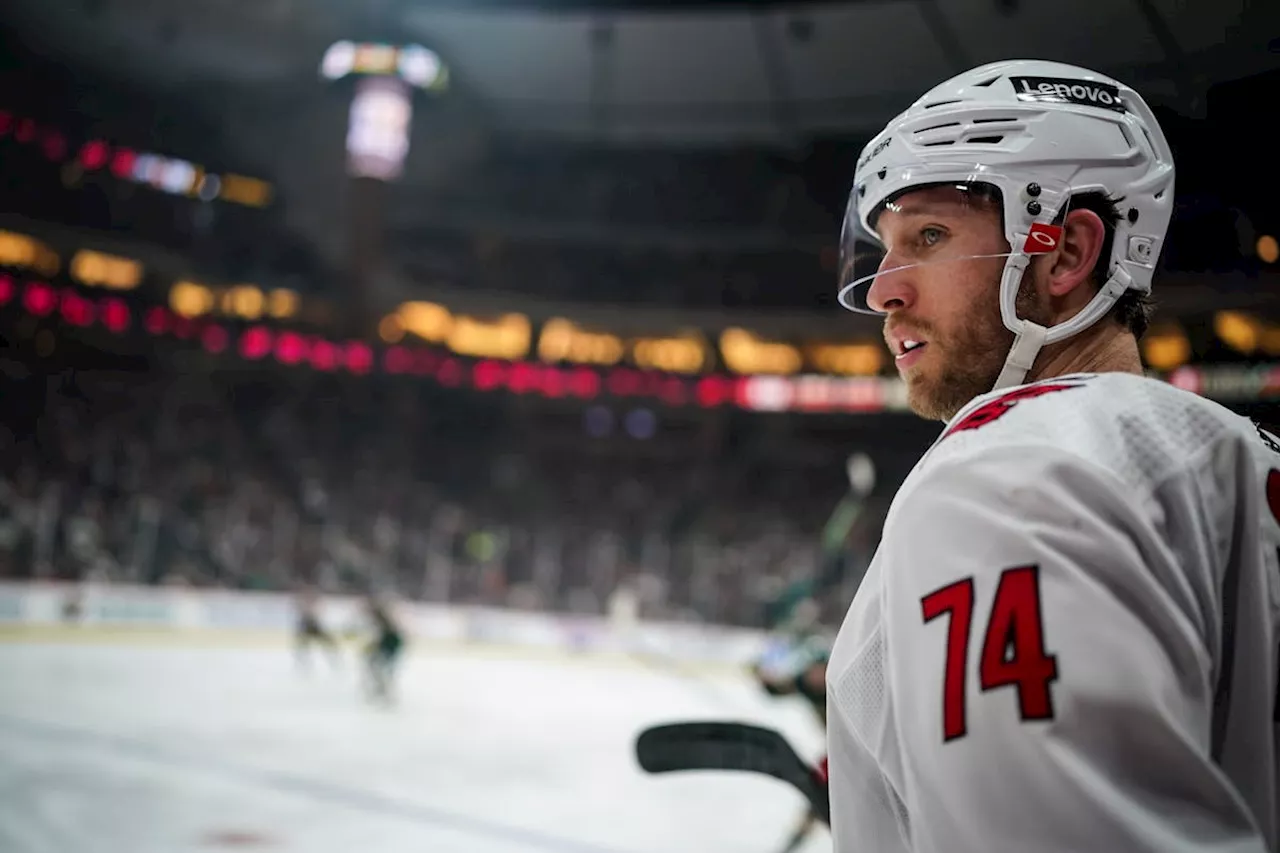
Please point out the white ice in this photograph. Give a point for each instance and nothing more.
(172, 748)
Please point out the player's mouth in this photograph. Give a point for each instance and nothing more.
(908, 352)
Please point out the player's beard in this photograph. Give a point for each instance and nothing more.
(968, 357)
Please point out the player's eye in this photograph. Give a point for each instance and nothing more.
(931, 236)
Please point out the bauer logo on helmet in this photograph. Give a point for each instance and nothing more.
(873, 153)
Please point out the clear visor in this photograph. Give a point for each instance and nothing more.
(942, 215)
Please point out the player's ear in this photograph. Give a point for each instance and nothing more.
(1072, 262)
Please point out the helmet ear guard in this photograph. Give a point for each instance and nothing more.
(1042, 133)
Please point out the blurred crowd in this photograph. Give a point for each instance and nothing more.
(271, 481)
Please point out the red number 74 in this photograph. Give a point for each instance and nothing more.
(1013, 651)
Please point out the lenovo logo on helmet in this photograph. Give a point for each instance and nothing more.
(1060, 91)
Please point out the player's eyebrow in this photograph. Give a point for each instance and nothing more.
(927, 208)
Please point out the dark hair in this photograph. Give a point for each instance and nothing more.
(1134, 308)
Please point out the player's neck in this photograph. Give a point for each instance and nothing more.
(1104, 348)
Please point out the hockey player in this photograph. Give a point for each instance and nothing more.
(311, 632)
(1067, 639)
(796, 665)
(384, 650)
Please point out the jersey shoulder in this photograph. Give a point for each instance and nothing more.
(1141, 430)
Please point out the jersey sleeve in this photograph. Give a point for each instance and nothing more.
(1052, 666)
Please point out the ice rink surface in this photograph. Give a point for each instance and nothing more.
(157, 746)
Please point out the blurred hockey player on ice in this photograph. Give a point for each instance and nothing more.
(795, 664)
(310, 632)
(795, 660)
(1067, 639)
(382, 655)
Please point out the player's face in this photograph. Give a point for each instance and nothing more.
(945, 297)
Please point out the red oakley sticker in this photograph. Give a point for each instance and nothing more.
(1042, 238)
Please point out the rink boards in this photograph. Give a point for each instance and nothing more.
(137, 614)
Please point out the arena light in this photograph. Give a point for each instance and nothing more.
(75, 309)
(378, 128)
(554, 383)
(427, 320)
(244, 301)
(325, 355)
(744, 353)
(255, 343)
(99, 269)
(243, 190)
(862, 359)
(282, 303)
(291, 348)
(358, 357)
(188, 299)
(114, 314)
(171, 175)
(712, 391)
(686, 353)
(584, 383)
(391, 330)
(156, 321)
(488, 375)
(524, 378)
(7, 289)
(507, 337)
(39, 299)
(19, 250)
(1237, 330)
(123, 162)
(414, 64)
(1268, 249)
(94, 155)
(562, 340)
(1166, 348)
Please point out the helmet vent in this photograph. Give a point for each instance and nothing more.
(941, 103)
(993, 120)
(988, 81)
(985, 140)
(937, 127)
(938, 143)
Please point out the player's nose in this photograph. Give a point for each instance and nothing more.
(892, 289)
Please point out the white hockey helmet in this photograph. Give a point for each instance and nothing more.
(1041, 133)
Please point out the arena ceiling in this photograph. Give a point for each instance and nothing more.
(671, 72)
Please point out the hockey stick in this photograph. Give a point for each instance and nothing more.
(731, 746)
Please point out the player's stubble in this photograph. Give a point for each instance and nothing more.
(968, 354)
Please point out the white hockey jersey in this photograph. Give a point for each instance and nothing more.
(1067, 640)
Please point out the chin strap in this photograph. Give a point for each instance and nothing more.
(1026, 346)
